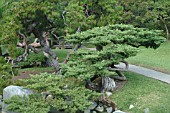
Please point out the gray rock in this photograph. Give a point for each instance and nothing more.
(118, 111)
(100, 108)
(87, 111)
(94, 112)
(94, 105)
(10, 91)
(109, 109)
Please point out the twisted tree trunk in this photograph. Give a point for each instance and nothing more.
(75, 48)
(0, 51)
(68, 55)
(167, 31)
(120, 76)
(51, 55)
(108, 84)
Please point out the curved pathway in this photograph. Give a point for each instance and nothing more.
(148, 72)
(145, 71)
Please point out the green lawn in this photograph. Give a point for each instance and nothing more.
(158, 59)
(61, 54)
(143, 92)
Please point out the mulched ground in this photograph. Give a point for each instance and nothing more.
(26, 74)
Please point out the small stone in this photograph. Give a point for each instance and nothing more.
(109, 109)
(146, 110)
(65, 87)
(49, 98)
(0, 97)
(100, 108)
(94, 112)
(108, 93)
(87, 111)
(118, 111)
(94, 105)
(131, 106)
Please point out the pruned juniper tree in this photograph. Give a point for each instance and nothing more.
(114, 43)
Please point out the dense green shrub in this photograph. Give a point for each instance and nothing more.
(68, 94)
(32, 59)
(5, 74)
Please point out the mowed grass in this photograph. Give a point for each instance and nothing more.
(61, 54)
(158, 59)
(143, 93)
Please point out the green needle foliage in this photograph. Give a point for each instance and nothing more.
(59, 16)
(152, 14)
(116, 42)
(69, 94)
(5, 74)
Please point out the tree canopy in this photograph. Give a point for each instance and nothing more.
(114, 43)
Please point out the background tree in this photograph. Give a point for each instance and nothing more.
(29, 17)
(2, 2)
(24, 18)
(152, 14)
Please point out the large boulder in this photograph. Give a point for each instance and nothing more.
(10, 91)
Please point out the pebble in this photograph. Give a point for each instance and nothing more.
(93, 106)
(100, 108)
(49, 98)
(131, 106)
(109, 109)
(108, 94)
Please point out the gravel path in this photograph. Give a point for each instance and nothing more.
(148, 72)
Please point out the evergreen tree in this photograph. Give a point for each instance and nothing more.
(152, 14)
(25, 17)
(114, 43)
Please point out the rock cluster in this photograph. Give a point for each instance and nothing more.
(100, 108)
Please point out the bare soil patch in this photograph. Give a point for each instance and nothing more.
(26, 74)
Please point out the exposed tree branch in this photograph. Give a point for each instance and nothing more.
(52, 56)
(63, 13)
(75, 48)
